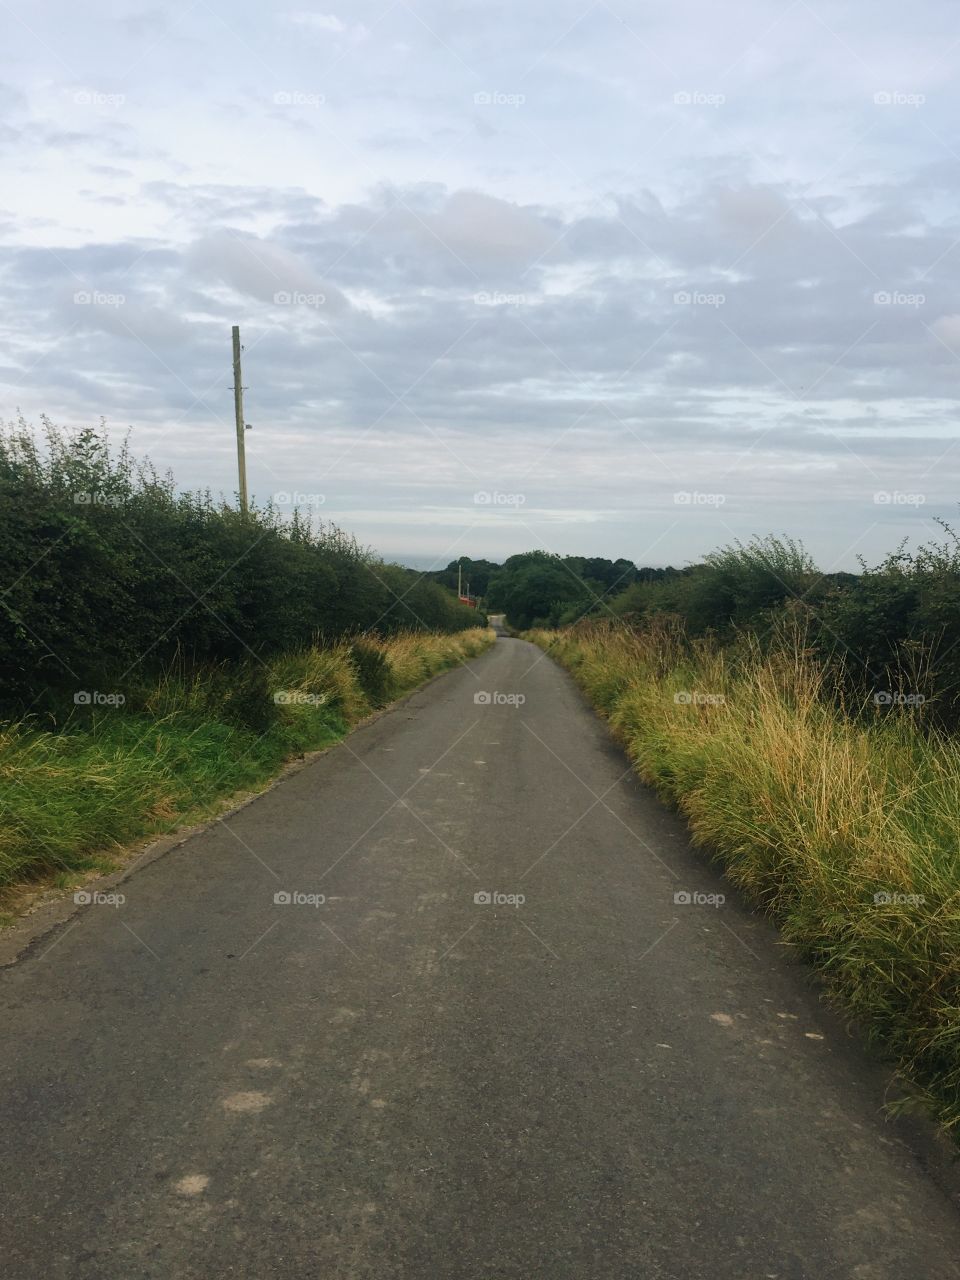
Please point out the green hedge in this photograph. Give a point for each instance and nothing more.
(107, 574)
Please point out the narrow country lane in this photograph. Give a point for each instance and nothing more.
(406, 1081)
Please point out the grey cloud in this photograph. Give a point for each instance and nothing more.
(515, 274)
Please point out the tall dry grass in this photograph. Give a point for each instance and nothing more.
(69, 799)
(845, 828)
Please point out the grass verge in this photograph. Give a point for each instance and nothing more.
(844, 830)
(172, 753)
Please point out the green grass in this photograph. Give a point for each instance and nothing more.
(811, 813)
(70, 800)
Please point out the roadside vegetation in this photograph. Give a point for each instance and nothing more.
(806, 729)
(160, 653)
(108, 574)
(890, 632)
(70, 798)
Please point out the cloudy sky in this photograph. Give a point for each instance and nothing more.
(606, 278)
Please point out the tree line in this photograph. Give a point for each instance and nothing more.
(108, 574)
(890, 633)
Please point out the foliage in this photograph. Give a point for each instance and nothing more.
(537, 587)
(112, 774)
(895, 630)
(466, 572)
(109, 575)
(843, 829)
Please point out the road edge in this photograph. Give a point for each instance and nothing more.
(54, 908)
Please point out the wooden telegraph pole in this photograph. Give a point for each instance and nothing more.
(238, 411)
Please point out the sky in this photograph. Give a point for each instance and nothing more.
(598, 278)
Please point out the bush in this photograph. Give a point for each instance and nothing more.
(373, 672)
(67, 799)
(895, 631)
(844, 831)
(110, 576)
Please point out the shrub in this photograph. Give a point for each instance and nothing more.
(844, 830)
(374, 672)
(895, 630)
(67, 799)
(109, 575)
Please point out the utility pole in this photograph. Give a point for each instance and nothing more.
(238, 411)
(459, 580)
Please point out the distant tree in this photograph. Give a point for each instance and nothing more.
(536, 587)
(475, 572)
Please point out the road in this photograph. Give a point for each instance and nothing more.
(403, 1081)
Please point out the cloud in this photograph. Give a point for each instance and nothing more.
(319, 21)
(327, 22)
(259, 269)
(577, 287)
(947, 330)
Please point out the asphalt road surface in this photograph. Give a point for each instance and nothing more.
(409, 1080)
